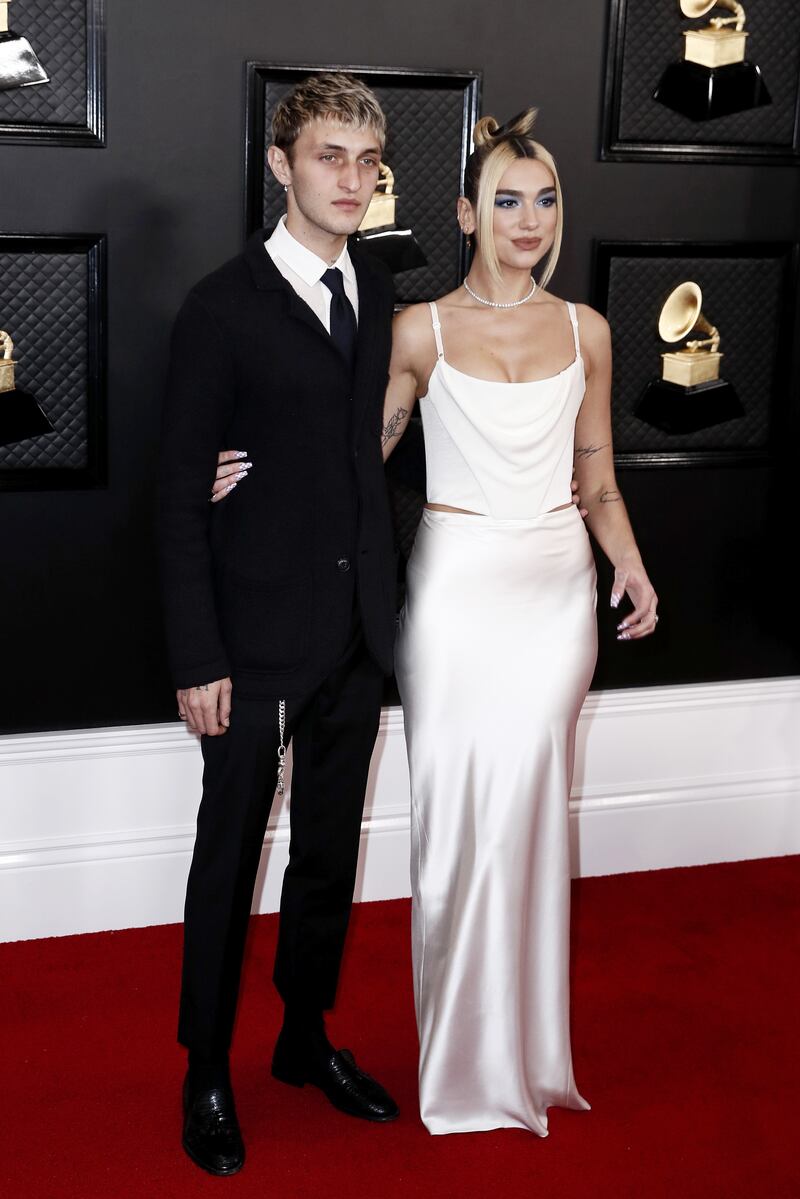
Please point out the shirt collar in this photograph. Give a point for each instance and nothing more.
(304, 262)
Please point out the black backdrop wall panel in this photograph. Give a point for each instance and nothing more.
(743, 296)
(81, 627)
(67, 38)
(52, 300)
(49, 340)
(58, 35)
(654, 38)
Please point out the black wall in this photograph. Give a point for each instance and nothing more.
(80, 621)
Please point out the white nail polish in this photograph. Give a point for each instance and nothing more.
(615, 601)
(241, 453)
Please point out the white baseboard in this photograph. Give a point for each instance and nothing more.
(98, 824)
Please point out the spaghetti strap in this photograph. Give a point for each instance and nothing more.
(573, 316)
(437, 329)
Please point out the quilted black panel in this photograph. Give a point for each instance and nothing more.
(742, 297)
(44, 306)
(57, 33)
(653, 38)
(424, 149)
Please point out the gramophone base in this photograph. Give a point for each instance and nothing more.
(21, 417)
(19, 65)
(397, 247)
(675, 409)
(702, 93)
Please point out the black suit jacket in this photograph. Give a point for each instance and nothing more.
(261, 586)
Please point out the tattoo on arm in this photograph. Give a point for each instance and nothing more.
(392, 427)
(201, 687)
(586, 451)
(610, 497)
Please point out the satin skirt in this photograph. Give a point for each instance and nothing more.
(496, 649)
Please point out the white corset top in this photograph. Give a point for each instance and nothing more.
(501, 449)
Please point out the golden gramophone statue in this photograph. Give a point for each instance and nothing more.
(690, 394)
(19, 64)
(380, 233)
(713, 79)
(7, 363)
(20, 415)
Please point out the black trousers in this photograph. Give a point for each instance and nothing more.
(333, 733)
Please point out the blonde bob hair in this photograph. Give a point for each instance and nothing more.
(496, 147)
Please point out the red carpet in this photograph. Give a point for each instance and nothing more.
(685, 1014)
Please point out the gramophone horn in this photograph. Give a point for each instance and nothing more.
(680, 312)
(681, 315)
(697, 8)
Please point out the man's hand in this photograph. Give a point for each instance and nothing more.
(207, 708)
(576, 499)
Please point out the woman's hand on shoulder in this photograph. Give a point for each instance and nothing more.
(231, 470)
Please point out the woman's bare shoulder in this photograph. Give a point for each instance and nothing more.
(410, 325)
(411, 316)
(595, 338)
(593, 325)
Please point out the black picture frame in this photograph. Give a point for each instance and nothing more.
(428, 169)
(70, 40)
(638, 128)
(750, 291)
(53, 302)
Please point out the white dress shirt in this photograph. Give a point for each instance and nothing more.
(303, 269)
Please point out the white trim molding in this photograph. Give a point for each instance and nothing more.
(98, 825)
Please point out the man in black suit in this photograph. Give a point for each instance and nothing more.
(279, 607)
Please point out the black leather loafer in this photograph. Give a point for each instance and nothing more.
(349, 1089)
(211, 1135)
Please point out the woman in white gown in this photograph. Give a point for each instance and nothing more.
(497, 640)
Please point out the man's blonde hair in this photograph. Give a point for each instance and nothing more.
(496, 148)
(328, 96)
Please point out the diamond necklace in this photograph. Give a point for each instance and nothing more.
(495, 304)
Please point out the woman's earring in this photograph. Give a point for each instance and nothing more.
(286, 187)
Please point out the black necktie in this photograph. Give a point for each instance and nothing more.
(343, 320)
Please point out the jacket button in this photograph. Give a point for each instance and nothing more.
(343, 564)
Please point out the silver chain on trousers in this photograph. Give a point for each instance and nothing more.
(281, 748)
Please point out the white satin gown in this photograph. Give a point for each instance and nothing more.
(496, 649)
